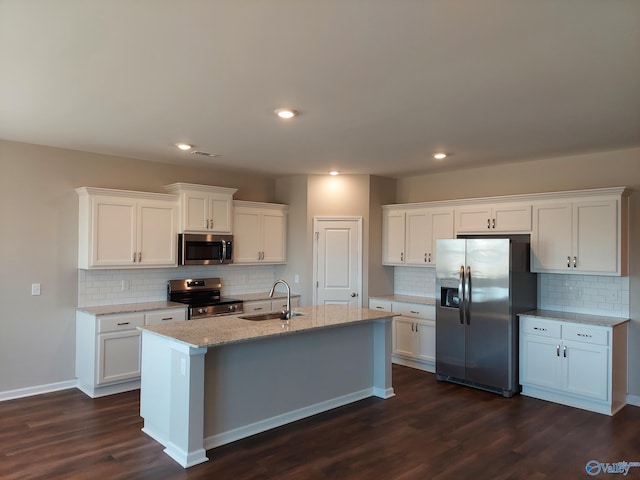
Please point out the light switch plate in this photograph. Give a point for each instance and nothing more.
(35, 289)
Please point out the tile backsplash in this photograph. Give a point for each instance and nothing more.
(111, 287)
(589, 294)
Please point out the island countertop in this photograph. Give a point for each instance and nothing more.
(209, 332)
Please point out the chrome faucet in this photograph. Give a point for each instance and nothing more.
(286, 314)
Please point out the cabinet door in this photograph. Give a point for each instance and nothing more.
(511, 218)
(246, 235)
(393, 232)
(220, 213)
(425, 332)
(274, 236)
(195, 211)
(118, 356)
(403, 336)
(551, 239)
(540, 361)
(416, 237)
(586, 370)
(157, 233)
(473, 219)
(113, 232)
(440, 226)
(595, 242)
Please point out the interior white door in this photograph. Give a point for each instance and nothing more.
(338, 261)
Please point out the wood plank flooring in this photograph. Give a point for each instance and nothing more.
(429, 430)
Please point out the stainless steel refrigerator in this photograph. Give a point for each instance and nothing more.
(482, 284)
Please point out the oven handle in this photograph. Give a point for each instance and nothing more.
(224, 251)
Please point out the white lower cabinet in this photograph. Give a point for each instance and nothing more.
(263, 306)
(576, 364)
(108, 348)
(414, 333)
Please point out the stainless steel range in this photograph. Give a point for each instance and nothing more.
(203, 297)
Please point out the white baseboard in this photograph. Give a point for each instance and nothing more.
(407, 362)
(633, 400)
(37, 390)
(279, 420)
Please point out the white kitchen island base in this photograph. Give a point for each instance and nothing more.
(197, 398)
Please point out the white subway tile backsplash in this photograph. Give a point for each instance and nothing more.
(587, 294)
(110, 287)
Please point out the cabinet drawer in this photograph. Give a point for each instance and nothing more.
(165, 316)
(415, 310)
(543, 328)
(585, 333)
(114, 323)
(257, 306)
(383, 305)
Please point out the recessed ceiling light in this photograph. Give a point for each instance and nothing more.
(184, 146)
(286, 113)
(440, 155)
(334, 173)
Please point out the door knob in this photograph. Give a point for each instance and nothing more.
(354, 294)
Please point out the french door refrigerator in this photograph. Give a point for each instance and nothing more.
(482, 284)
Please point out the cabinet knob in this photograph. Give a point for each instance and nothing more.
(354, 294)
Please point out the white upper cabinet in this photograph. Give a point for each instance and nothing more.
(204, 208)
(259, 232)
(513, 218)
(393, 234)
(123, 229)
(581, 236)
(581, 231)
(410, 234)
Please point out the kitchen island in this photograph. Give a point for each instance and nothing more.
(209, 382)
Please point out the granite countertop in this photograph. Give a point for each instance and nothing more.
(406, 299)
(131, 307)
(209, 332)
(577, 318)
(250, 297)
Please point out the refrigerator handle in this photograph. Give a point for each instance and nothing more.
(468, 296)
(461, 296)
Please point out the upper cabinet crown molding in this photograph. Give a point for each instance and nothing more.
(526, 197)
(112, 192)
(179, 186)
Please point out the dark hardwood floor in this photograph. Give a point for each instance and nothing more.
(429, 430)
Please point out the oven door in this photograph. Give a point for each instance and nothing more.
(204, 249)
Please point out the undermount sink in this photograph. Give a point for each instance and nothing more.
(268, 316)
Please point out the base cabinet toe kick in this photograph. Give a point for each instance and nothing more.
(193, 399)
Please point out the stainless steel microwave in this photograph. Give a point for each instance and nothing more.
(204, 249)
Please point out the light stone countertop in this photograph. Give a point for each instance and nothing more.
(576, 318)
(131, 307)
(406, 299)
(209, 332)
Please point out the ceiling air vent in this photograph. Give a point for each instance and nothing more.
(205, 154)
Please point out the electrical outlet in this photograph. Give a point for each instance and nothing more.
(296, 278)
(35, 289)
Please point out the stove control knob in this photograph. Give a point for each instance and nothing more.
(202, 310)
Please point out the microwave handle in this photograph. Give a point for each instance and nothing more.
(224, 251)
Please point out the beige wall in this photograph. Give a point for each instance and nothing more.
(345, 195)
(39, 218)
(604, 169)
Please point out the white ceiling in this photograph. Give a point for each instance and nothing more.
(380, 84)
